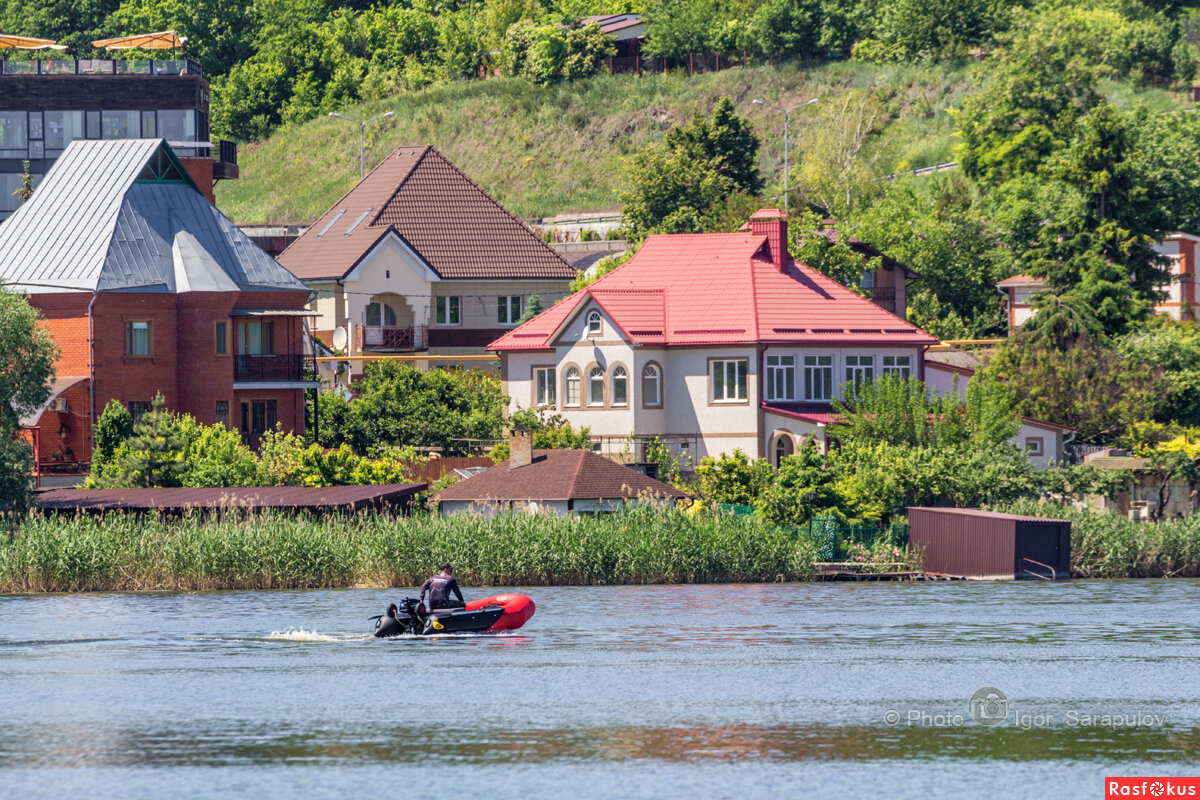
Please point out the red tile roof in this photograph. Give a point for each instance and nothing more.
(558, 475)
(721, 288)
(1020, 280)
(808, 412)
(451, 223)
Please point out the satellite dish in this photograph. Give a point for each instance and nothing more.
(340, 339)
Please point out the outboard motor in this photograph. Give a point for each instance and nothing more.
(389, 624)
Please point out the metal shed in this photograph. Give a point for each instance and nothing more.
(328, 499)
(985, 545)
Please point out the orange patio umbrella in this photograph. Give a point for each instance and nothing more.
(14, 42)
(163, 40)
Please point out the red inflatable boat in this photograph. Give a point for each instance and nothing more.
(517, 610)
(502, 612)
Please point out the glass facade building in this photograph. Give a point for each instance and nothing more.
(45, 104)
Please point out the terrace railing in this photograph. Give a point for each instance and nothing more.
(98, 66)
(692, 63)
(386, 337)
(283, 367)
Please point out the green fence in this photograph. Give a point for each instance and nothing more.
(834, 540)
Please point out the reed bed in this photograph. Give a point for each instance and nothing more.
(119, 552)
(1106, 545)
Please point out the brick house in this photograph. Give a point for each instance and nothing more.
(146, 287)
(418, 259)
(1181, 292)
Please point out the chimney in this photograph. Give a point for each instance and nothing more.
(520, 447)
(772, 223)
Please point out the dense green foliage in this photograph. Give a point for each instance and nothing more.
(396, 405)
(550, 432)
(164, 449)
(640, 545)
(689, 182)
(27, 355)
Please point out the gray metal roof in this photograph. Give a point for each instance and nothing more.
(92, 226)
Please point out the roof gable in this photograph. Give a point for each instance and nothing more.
(456, 227)
(116, 215)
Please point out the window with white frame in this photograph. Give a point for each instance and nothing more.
(818, 377)
(508, 309)
(897, 366)
(571, 387)
(594, 323)
(651, 385)
(781, 377)
(860, 370)
(449, 311)
(379, 313)
(1035, 445)
(867, 281)
(728, 379)
(596, 387)
(544, 386)
(620, 386)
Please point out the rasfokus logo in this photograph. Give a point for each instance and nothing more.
(1151, 787)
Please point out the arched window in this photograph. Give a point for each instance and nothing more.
(379, 313)
(593, 323)
(596, 387)
(651, 386)
(783, 449)
(571, 387)
(620, 387)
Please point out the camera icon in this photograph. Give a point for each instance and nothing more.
(988, 706)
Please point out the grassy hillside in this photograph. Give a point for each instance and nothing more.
(545, 150)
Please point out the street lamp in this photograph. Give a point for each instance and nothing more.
(787, 114)
(362, 127)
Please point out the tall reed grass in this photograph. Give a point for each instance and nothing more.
(1106, 545)
(121, 552)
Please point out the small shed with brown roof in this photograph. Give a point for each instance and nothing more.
(554, 482)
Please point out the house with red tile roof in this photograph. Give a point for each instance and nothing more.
(1182, 290)
(417, 258)
(709, 342)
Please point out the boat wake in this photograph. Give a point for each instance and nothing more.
(301, 635)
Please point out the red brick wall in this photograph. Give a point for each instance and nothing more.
(66, 437)
(183, 364)
(201, 170)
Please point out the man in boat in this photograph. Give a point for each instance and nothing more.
(440, 587)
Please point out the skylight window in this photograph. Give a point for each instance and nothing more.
(331, 223)
(361, 217)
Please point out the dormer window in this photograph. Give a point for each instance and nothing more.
(594, 324)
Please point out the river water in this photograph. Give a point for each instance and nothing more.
(615, 692)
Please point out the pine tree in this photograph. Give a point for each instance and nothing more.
(25, 190)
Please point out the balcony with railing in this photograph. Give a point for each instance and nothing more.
(99, 66)
(391, 338)
(884, 297)
(274, 368)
